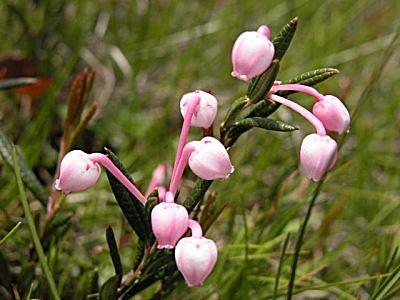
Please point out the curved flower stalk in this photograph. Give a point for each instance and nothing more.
(195, 256)
(158, 178)
(329, 109)
(79, 171)
(318, 151)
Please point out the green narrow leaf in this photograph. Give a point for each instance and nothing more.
(10, 233)
(233, 111)
(283, 39)
(132, 208)
(197, 194)
(244, 125)
(16, 82)
(310, 78)
(108, 290)
(93, 287)
(28, 177)
(163, 271)
(32, 229)
(114, 253)
(139, 254)
(263, 83)
(281, 259)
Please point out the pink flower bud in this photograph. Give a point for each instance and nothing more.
(210, 160)
(205, 112)
(317, 155)
(77, 172)
(252, 54)
(332, 113)
(195, 259)
(169, 223)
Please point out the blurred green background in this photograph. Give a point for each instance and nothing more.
(147, 54)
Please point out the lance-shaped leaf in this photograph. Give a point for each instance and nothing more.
(132, 208)
(108, 290)
(16, 82)
(138, 255)
(233, 111)
(197, 194)
(244, 125)
(164, 271)
(114, 253)
(29, 178)
(263, 83)
(310, 78)
(283, 38)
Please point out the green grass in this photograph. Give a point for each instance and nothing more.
(147, 54)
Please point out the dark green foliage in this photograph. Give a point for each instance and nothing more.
(283, 39)
(109, 289)
(29, 178)
(114, 253)
(261, 85)
(132, 208)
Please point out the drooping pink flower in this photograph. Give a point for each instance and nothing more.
(169, 222)
(318, 155)
(332, 113)
(204, 113)
(77, 172)
(195, 256)
(252, 54)
(210, 160)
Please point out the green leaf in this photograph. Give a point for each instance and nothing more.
(310, 78)
(151, 202)
(162, 272)
(28, 177)
(114, 253)
(244, 125)
(197, 194)
(132, 208)
(16, 82)
(233, 111)
(263, 83)
(138, 255)
(108, 290)
(282, 40)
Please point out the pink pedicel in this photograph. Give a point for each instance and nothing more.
(77, 172)
(318, 155)
(195, 256)
(252, 54)
(332, 113)
(210, 160)
(158, 178)
(204, 113)
(169, 222)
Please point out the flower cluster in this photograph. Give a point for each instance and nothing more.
(195, 255)
(208, 159)
(251, 56)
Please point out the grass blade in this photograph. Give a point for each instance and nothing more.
(281, 259)
(114, 253)
(10, 233)
(34, 233)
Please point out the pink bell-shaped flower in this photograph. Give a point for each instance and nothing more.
(332, 113)
(318, 155)
(77, 172)
(206, 110)
(252, 53)
(169, 222)
(210, 160)
(195, 256)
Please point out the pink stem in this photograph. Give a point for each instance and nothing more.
(195, 227)
(298, 87)
(108, 164)
(169, 197)
(176, 177)
(319, 127)
(185, 129)
(156, 179)
(161, 193)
